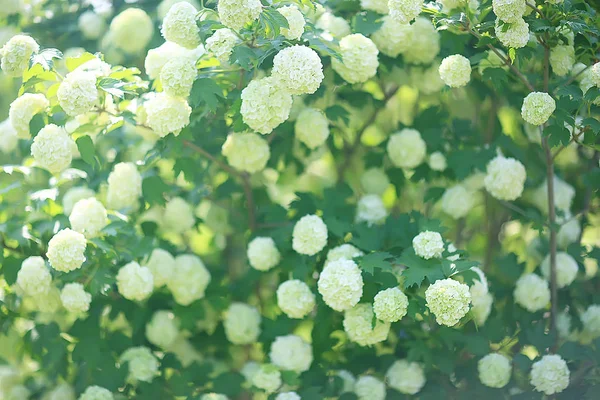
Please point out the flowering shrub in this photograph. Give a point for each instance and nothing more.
(286, 200)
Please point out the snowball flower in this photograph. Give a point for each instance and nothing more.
(267, 378)
(509, 10)
(312, 127)
(566, 269)
(33, 276)
(295, 298)
(295, 21)
(437, 161)
(374, 181)
(338, 27)
(22, 110)
(15, 54)
(455, 70)
(74, 298)
(568, 233)
(505, 178)
(129, 24)
(448, 300)
(563, 195)
(537, 108)
(66, 250)
(369, 388)
(406, 148)
(162, 329)
(143, 365)
(481, 301)
(189, 279)
(425, 44)
(288, 396)
(241, 323)
(532, 292)
(135, 282)
(309, 235)
(291, 353)
(392, 38)
(343, 251)
(167, 114)
(162, 264)
(72, 196)
(124, 186)
(390, 305)
(359, 59)
(358, 325)
(370, 209)
(591, 320)
(91, 25)
(177, 76)
(594, 74)
(406, 377)
(379, 6)
(96, 393)
(214, 396)
(178, 216)
(550, 374)
(348, 380)
(235, 14)
(298, 70)
(263, 254)
(88, 217)
(179, 25)
(265, 105)
(494, 370)
(562, 59)
(515, 36)
(77, 93)
(341, 284)
(221, 44)
(52, 148)
(246, 151)
(428, 245)
(8, 137)
(158, 57)
(404, 11)
(457, 201)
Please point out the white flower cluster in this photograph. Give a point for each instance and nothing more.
(455, 70)
(143, 365)
(74, 298)
(369, 388)
(246, 151)
(537, 108)
(591, 321)
(235, 14)
(448, 300)
(77, 93)
(15, 54)
(221, 44)
(124, 186)
(406, 149)
(312, 127)
(358, 325)
(481, 299)
(337, 27)
(359, 59)
(177, 76)
(295, 298)
(379, 6)
(33, 277)
(288, 396)
(370, 209)
(516, 34)
(214, 396)
(163, 329)
(343, 251)
(96, 393)
(562, 59)
(494, 370)
(569, 232)
(66, 250)
(341, 284)
(178, 216)
(241, 323)
(309, 235)
(22, 111)
(8, 137)
(267, 378)
(374, 181)
(161, 264)
(73, 196)
(189, 279)
(263, 254)
(428, 245)
(158, 57)
(88, 217)
(52, 148)
(437, 161)
(291, 353)
(131, 23)
(505, 178)
(457, 201)
(566, 269)
(91, 25)
(295, 21)
(265, 105)
(550, 375)
(563, 195)
(404, 11)
(392, 38)
(595, 74)
(298, 70)
(167, 114)
(179, 25)
(406, 377)
(509, 10)
(425, 44)
(135, 282)
(390, 305)
(531, 292)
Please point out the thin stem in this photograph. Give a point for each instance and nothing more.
(534, 8)
(212, 158)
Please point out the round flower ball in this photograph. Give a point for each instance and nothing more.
(22, 110)
(428, 245)
(379, 6)
(143, 365)
(178, 216)
(66, 250)
(291, 353)
(457, 201)
(91, 25)
(594, 74)
(8, 137)
(312, 127)
(406, 377)
(167, 114)
(562, 59)
(246, 151)
(437, 161)
(359, 59)
(96, 393)
(295, 298)
(235, 14)
(52, 148)
(179, 25)
(515, 36)
(298, 70)
(390, 305)
(88, 217)
(221, 44)
(341, 284)
(509, 10)
(189, 279)
(265, 105)
(591, 320)
(404, 11)
(358, 325)
(74, 298)
(77, 93)
(568, 233)
(309, 235)
(135, 282)
(124, 186)
(241, 323)
(369, 388)
(448, 300)
(550, 375)
(337, 27)
(33, 277)
(406, 148)
(15, 54)
(267, 378)
(494, 370)
(177, 76)
(566, 269)
(344, 251)
(370, 209)
(295, 20)
(532, 292)
(455, 70)
(537, 108)
(72, 196)
(425, 44)
(162, 264)
(158, 57)
(129, 24)
(505, 178)
(481, 302)
(263, 254)
(288, 396)
(162, 329)
(374, 181)
(392, 38)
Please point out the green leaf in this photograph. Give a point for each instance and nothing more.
(377, 260)
(206, 91)
(114, 87)
(572, 91)
(557, 134)
(417, 268)
(74, 62)
(592, 94)
(243, 56)
(153, 189)
(85, 145)
(337, 112)
(592, 123)
(45, 58)
(366, 22)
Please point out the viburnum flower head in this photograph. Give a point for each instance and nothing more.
(595, 74)
(341, 284)
(77, 93)
(494, 370)
(457, 201)
(179, 25)
(374, 181)
(189, 279)
(358, 325)
(343, 251)
(214, 396)
(33, 277)
(369, 388)
(265, 105)
(566, 269)
(267, 378)
(370, 209)
(298, 70)
(88, 217)
(91, 25)
(532, 292)
(359, 59)
(509, 10)
(379, 6)
(143, 365)
(295, 298)
(8, 137)
(221, 44)
(66, 250)
(52, 148)
(73, 195)
(309, 235)
(246, 151)
(177, 76)
(505, 178)
(288, 396)
(425, 44)
(158, 57)
(515, 36)
(167, 114)
(563, 195)
(428, 244)
(537, 108)
(392, 38)
(390, 305)
(312, 127)
(74, 298)
(406, 149)
(135, 282)
(178, 216)
(162, 329)
(568, 233)
(437, 161)
(131, 23)
(481, 302)
(22, 110)
(591, 320)
(263, 254)
(448, 300)
(124, 186)
(162, 264)
(15, 54)
(295, 21)
(235, 14)
(406, 377)
(455, 70)
(404, 11)
(96, 393)
(337, 27)
(291, 353)
(550, 374)
(562, 59)
(241, 323)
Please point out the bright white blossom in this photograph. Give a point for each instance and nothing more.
(177, 76)
(74, 298)
(379, 6)
(392, 38)
(455, 70)
(96, 393)
(494, 370)
(214, 396)
(537, 108)
(8, 137)
(235, 14)
(481, 301)
(591, 320)
(374, 181)
(72, 196)
(428, 244)
(550, 374)
(241, 323)
(77, 93)
(532, 292)
(309, 235)
(158, 57)
(343, 251)
(457, 201)
(135, 282)
(265, 105)
(295, 298)
(406, 377)
(178, 216)
(131, 23)
(312, 127)
(390, 305)
(515, 36)
(509, 10)
(298, 70)
(288, 396)
(124, 186)
(505, 178)
(568, 233)
(189, 279)
(370, 209)
(295, 21)
(594, 74)
(22, 111)
(437, 161)
(88, 217)
(162, 264)
(369, 388)
(291, 353)
(15, 54)
(66, 250)
(34, 277)
(91, 25)
(162, 329)
(267, 378)
(246, 151)
(562, 59)
(406, 148)
(563, 195)
(143, 365)
(167, 114)
(52, 148)
(425, 44)
(341, 284)
(566, 269)
(448, 300)
(358, 325)
(262, 253)
(404, 11)
(338, 27)
(221, 44)
(179, 25)
(359, 59)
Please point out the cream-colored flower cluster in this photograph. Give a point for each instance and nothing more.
(428, 245)
(235, 14)
(263, 254)
(455, 70)
(448, 300)
(295, 298)
(179, 25)
(166, 113)
(359, 59)
(124, 187)
(188, 279)
(242, 323)
(310, 235)
(494, 370)
(532, 292)
(516, 35)
(88, 217)
(406, 148)
(291, 353)
(370, 209)
(566, 269)
(406, 377)
(505, 178)
(312, 127)
(369, 388)
(143, 364)
(66, 250)
(390, 305)
(404, 11)
(15, 54)
(246, 151)
(341, 284)
(537, 108)
(52, 148)
(550, 374)
(77, 93)
(22, 111)
(265, 105)
(135, 282)
(358, 325)
(96, 393)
